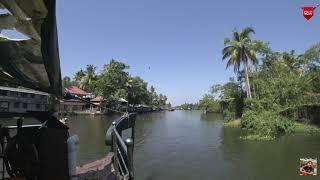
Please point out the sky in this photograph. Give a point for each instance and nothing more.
(175, 45)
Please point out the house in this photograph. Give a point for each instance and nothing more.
(71, 106)
(143, 108)
(20, 100)
(77, 91)
(97, 103)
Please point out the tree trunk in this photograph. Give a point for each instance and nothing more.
(254, 90)
(247, 80)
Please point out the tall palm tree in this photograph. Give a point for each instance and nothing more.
(79, 75)
(88, 80)
(239, 51)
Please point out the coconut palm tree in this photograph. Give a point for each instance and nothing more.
(239, 51)
(79, 75)
(88, 80)
(66, 81)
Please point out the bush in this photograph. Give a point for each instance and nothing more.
(228, 116)
(305, 128)
(233, 123)
(266, 123)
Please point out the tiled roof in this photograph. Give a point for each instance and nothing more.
(77, 91)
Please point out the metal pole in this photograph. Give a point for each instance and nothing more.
(129, 143)
(113, 136)
(114, 148)
(2, 149)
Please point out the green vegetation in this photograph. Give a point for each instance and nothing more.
(89, 78)
(233, 123)
(266, 123)
(227, 99)
(239, 51)
(208, 104)
(114, 82)
(274, 91)
(305, 128)
(253, 137)
(188, 106)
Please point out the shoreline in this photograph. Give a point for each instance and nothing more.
(104, 113)
(298, 128)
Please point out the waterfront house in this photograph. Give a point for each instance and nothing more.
(97, 103)
(142, 108)
(77, 91)
(75, 105)
(21, 100)
(71, 106)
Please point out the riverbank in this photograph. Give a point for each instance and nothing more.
(110, 112)
(305, 128)
(297, 128)
(236, 123)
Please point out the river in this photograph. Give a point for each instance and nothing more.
(189, 145)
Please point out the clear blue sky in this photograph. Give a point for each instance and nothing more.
(180, 40)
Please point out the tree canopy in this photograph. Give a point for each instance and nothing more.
(240, 50)
(284, 86)
(114, 82)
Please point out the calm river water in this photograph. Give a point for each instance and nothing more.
(188, 145)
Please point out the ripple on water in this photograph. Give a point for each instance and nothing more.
(188, 145)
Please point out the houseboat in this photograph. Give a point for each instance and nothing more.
(31, 76)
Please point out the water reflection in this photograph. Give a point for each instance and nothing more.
(91, 131)
(190, 145)
(278, 159)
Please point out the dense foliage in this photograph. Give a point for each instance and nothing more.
(266, 123)
(227, 99)
(208, 104)
(188, 106)
(284, 87)
(239, 50)
(114, 82)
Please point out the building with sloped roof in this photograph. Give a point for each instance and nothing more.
(77, 91)
(18, 100)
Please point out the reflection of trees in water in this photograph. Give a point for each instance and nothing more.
(91, 132)
(234, 154)
(211, 116)
(276, 159)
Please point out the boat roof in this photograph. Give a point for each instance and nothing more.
(23, 90)
(32, 62)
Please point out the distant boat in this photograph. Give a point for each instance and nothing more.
(171, 109)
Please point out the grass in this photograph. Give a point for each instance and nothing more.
(233, 123)
(305, 128)
(298, 127)
(257, 138)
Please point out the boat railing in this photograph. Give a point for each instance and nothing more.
(5, 136)
(120, 136)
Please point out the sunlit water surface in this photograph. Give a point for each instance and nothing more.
(189, 145)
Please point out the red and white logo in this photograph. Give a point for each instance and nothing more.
(308, 12)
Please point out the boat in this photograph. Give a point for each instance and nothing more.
(46, 151)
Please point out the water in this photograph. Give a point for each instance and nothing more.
(190, 146)
(91, 131)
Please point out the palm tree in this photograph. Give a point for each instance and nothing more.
(66, 81)
(239, 51)
(79, 75)
(88, 80)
